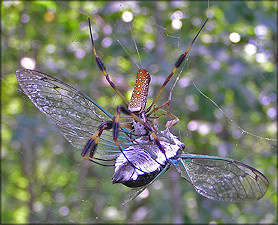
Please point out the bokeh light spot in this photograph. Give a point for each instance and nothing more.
(80, 53)
(192, 125)
(265, 100)
(250, 49)
(38, 206)
(107, 29)
(25, 18)
(50, 48)
(176, 24)
(271, 113)
(184, 82)
(28, 63)
(111, 212)
(140, 213)
(206, 38)
(177, 15)
(144, 194)
(149, 44)
(260, 31)
(234, 37)
(106, 42)
(127, 16)
(64, 211)
(261, 58)
(49, 16)
(204, 129)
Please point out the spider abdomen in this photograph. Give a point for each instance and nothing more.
(140, 92)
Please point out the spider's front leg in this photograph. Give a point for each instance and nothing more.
(101, 66)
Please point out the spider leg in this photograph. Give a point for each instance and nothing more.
(177, 65)
(120, 109)
(175, 119)
(93, 142)
(101, 66)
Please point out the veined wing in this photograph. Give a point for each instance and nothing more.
(134, 192)
(221, 178)
(76, 115)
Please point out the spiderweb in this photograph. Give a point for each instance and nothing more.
(224, 96)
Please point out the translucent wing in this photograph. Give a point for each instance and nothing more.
(222, 179)
(76, 115)
(134, 192)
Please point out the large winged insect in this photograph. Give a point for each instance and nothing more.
(77, 116)
(138, 150)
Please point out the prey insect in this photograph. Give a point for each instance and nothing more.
(138, 150)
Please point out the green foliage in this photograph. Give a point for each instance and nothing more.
(45, 180)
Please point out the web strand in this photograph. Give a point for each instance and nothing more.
(231, 120)
(135, 46)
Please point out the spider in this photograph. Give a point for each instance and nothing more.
(141, 124)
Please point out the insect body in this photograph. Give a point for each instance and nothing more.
(139, 152)
(143, 167)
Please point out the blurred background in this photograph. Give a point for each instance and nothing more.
(233, 63)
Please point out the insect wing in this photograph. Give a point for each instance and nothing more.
(222, 179)
(75, 114)
(134, 192)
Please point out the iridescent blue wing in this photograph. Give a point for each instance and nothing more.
(76, 115)
(221, 178)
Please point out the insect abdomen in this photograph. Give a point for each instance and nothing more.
(124, 176)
